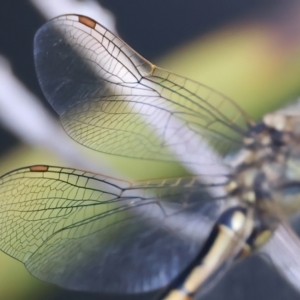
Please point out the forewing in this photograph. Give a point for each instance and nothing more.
(94, 233)
(112, 100)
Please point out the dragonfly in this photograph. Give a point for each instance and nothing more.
(175, 236)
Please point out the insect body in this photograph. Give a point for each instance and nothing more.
(91, 232)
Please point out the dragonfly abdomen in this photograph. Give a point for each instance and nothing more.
(226, 241)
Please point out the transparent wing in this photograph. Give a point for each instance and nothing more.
(283, 252)
(112, 100)
(94, 233)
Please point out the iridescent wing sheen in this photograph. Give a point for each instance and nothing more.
(94, 233)
(113, 100)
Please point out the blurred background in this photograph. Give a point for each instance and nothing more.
(248, 50)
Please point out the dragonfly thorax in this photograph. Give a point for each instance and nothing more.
(288, 185)
(260, 168)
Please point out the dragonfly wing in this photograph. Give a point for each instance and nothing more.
(95, 233)
(282, 251)
(112, 100)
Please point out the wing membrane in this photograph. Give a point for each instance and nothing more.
(95, 233)
(282, 251)
(112, 100)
